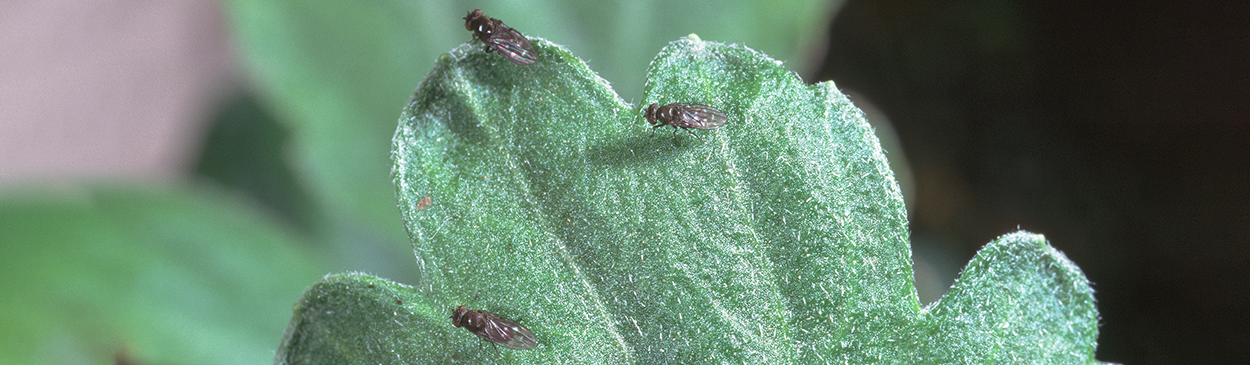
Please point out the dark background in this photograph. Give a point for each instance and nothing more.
(1118, 130)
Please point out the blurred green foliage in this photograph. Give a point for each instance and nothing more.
(146, 275)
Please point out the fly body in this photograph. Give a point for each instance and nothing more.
(508, 42)
(685, 116)
(494, 329)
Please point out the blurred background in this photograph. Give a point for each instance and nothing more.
(173, 174)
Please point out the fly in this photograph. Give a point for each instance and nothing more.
(501, 38)
(494, 329)
(685, 116)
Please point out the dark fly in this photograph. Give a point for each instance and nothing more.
(493, 328)
(501, 38)
(685, 116)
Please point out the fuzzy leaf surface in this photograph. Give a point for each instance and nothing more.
(535, 192)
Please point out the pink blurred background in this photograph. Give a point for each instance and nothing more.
(108, 90)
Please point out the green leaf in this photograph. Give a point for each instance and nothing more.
(398, 324)
(538, 194)
(385, 323)
(147, 276)
(1018, 299)
(335, 71)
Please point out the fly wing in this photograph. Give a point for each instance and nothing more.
(513, 45)
(698, 117)
(508, 334)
